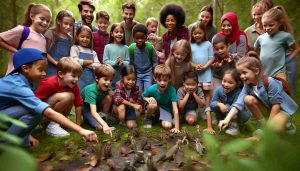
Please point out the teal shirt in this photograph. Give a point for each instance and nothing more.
(165, 99)
(91, 95)
(113, 51)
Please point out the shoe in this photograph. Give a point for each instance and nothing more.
(55, 130)
(233, 129)
(148, 122)
(290, 128)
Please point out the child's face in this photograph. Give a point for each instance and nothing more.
(198, 35)
(270, 26)
(228, 83)
(66, 25)
(205, 17)
(102, 24)
(152, 27)
(129, 81)
(140, 39)
(41, 21)
(68, 79)
(221, 49)
(248, 76)
(171, 23)
(190, 85)
(226, 27)
(35, 72)
(162, 83)
(179, 55)
(84, 38)
(118, 34)
(104, 83)
(257, 14)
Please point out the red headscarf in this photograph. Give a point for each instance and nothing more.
(236, 32)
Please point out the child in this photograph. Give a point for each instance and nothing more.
(179, 62)
(162, 98)
(142, 56)
(225, 96)
(59, 41)
(19, 102)
(96, 97)
(61, 92)
(202, 58)
(223, 60)
(275, 42)
(158, 44)
(83, 52)
(29, 34)
(256, 97)
(101, 37)
(190, 97)
(116, 52)
(127, 97)
(152, 25)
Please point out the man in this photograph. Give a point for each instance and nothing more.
(128, 23)
(86, 10)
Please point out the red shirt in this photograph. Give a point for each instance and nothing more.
(50, 86)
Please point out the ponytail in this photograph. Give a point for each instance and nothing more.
(251, 61)
(32, 10)
(27, 20)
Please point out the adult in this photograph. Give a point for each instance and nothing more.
(172, 17)
(237, 39)
(206, 17)
(86, 9)
(128, 23)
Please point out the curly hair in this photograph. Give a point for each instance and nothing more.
(140, 28)
(172, 9)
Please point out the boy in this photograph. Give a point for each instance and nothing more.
(101, 37)
(190, 97)
(61, 92)
(97, 96)
(142, 57)
(162, 97)
(19, 102)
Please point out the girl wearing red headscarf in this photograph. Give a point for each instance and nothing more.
(237, 39)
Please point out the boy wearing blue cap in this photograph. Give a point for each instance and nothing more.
(18, 101)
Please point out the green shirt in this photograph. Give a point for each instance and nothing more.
(165, 99)
(91, 95)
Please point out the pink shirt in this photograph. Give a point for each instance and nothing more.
(13, 36)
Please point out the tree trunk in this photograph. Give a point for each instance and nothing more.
(15, 12)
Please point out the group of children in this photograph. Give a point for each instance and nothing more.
(100, 75)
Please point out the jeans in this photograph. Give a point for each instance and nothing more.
(144, 81)
(291, 69)
(24, 115)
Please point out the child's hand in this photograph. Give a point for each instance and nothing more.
(107, 130)
(223, 124)
(89, 135)
(138, 107)
(119, 61)
(209, 130)
(151, 100)
(223, 108)
(111, 93)
(175, 130)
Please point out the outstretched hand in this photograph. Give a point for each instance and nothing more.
(89, 135)
(223, 124)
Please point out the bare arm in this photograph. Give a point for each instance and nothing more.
(182, 102)
(295, 50)
(4, 45)
(274, 110)
(224, 123)
(176, 118)
(106, 128)
(78, 111)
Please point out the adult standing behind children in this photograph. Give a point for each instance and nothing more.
(128, 23)
(172, 17)
(206, 17)
(86, 9)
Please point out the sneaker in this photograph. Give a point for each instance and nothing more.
(148, 122)
(55, 130)
(290, 128)
(233, 129)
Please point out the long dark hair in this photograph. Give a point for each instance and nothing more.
(113, 27)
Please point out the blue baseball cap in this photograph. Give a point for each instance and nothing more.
(27, 55)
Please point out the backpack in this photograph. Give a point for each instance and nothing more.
(285, 84)
(25, 34)
(149, 47)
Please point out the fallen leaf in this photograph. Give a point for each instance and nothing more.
(65, 158)
(93, 161)
(242, 154)
(83, 153)
(44, 157)
(154, 152)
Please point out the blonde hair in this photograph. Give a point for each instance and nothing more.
(68, 64)
(104, 70)
(261, 5)
(32, 10)
(151, 20)
(162, 70)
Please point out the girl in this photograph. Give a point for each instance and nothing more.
(127, 97)
(83, 52)
(152, 25)
(29, 34)
(275, 43)
(224, 97)
(116, 52)
(237, 39)
(179, 62)
(256, 97)
(223, 60)
(202, 58)
(59, 41)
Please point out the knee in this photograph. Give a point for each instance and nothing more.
(108, 99)
(250, 100)
(166, 125)
(131, 124)
(152, 106)
(190, 120)
(66, 97)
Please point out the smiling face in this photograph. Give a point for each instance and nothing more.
(221, 49)
(270, 26)
(152, 27)
(87, 15)
(140, 39)
(68, 79)
(179, 55)
(128, 15)
(41, 21)
(66, 25)
(104, 83)
(190, 85)
(228, 83)
(171, 23)
(248, 76)
(118, 34)
(35, 72)
(129, 81)
(205, 17)
(226, 27)
(102, 24)
(199, 35)
(162, 83)
(84, 38)
(257, 13)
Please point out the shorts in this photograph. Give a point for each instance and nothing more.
(190, 112)
(165, 115)
(206, 86)
(130, 114)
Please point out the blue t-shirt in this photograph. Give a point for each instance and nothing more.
(165, 99)
(142, 62)
(16, 90)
